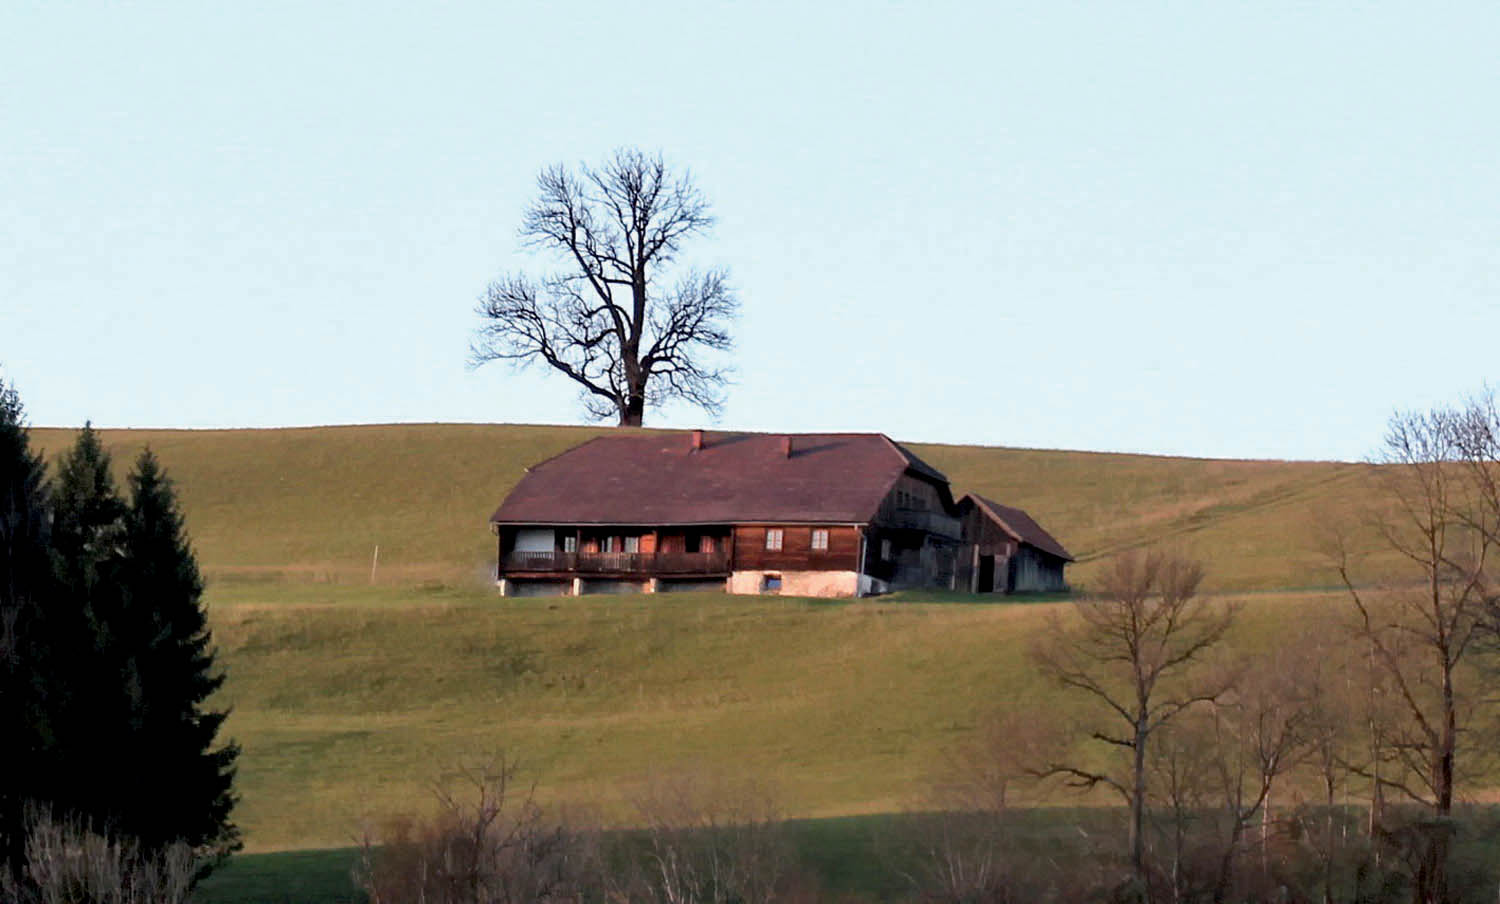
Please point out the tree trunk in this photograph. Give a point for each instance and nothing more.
(1328, 787)
(1138, 807)
(634, 412)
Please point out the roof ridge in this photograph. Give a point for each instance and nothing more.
(534, 465)
(991, 505)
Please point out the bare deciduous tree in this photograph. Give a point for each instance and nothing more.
(488, 844)
(966, 842)
(710, 839)
(1147, 628)
(612, 320)
(1436, 472)
(1257, 736)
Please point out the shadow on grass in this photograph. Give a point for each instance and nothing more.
(953, 597)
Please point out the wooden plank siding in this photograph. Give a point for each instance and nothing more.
(796, 553)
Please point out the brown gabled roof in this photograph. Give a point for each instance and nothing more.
(1021, 527)
(643, 479)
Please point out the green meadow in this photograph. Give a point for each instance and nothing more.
(355, 682)
(312, 504)
(348, 701)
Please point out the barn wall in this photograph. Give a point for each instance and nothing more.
(916, 560)
(1034, 571)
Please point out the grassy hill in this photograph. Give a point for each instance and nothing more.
(312, 504)
(349, 696)
(350, 701)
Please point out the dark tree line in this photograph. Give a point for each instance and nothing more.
(106, 660)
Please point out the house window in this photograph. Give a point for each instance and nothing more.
(610, 545)
(770, 583)
(570, 543)
(820, 538)
(632, 544)
(773, 539)
(885, 550)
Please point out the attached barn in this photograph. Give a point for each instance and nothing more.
(1007, 551)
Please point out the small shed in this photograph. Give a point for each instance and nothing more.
(1006, 551)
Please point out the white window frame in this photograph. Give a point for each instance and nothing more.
(774, 538)
(632, 544)
(820, 539)
(607, 545)
(570, 543)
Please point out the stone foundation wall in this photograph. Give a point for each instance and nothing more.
(797, 583)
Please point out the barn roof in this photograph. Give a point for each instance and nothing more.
(659, 478)
(1020, 526)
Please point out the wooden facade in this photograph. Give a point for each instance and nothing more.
(796, 552)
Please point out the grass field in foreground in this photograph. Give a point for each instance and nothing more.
(861, 858)
(313, 503)
(873, 858)
(349, 702)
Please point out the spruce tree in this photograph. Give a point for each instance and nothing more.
(181, 782)
(88, 525)
(27, 666)
(87, 708)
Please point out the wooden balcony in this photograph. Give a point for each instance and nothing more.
(926, 520)
(642, 563)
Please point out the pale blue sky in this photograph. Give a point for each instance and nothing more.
(1246, 230)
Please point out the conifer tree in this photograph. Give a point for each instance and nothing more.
(25, 588)
(86, 707)
(88, 524)
(182, 782)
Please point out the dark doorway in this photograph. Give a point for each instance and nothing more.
(693, 543)
(986, 574)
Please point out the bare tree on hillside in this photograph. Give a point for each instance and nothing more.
(1443, 519)
(1258, 733)
(1134, 645)
(609, 320)
(489, 843)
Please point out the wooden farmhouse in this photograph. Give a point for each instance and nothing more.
(805, 515)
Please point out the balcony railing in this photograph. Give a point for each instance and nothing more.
(619, 562)
(928, 520)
